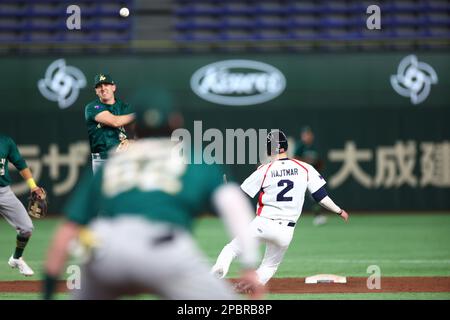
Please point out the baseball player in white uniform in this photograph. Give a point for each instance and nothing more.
(281, 184)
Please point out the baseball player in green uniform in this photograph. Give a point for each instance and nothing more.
(306, 151)
(106, 117)
(10, 207)
(139, 209)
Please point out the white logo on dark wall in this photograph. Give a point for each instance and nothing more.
(238, 82)
(414, 79)
(62, 83)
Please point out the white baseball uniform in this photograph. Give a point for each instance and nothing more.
(281, 185)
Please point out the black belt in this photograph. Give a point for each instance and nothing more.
(168, 237)
(290, 224)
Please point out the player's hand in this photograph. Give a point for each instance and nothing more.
(250, 285)
(344, 215)
(39, 191)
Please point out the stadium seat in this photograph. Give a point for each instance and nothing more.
(289, 19)
(40, 21)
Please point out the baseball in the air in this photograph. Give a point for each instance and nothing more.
(124, 12)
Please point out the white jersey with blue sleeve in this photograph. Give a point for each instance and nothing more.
(282, 185)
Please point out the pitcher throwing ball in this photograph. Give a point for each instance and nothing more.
(106, 118)
(282, 185)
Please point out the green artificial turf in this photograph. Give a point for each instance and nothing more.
(34, 253)
(400, 244)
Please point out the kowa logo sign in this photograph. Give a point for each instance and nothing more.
(238, 82)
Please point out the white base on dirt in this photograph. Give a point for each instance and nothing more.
(325, 278)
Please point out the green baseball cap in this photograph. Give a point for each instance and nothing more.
(306, 129)
(152, 106)
(155, 111)
(103, 78)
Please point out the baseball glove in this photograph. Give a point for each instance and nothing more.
(123, 145)
(37, 203)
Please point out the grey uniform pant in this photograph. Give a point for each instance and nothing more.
(139, 256)
(14, 212)
(97, 162)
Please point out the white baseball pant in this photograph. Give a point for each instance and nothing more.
(277, 236)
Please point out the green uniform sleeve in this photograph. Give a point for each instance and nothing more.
(14, 156)
(93, 109)
(127, 109)
(83, 206)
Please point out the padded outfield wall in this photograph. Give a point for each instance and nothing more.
(381, 120)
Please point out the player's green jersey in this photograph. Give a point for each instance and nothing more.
(101, 137)
(307, 152)
(9, 153)
(148, 181)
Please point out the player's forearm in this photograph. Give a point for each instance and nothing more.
(28, 177)
(237, 213)
(124, 120)
(114, 121)
(26, 174)
(328, 204)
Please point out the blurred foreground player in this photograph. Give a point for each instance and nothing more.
(136, 215)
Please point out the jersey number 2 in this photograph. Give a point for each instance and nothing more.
(289, 185)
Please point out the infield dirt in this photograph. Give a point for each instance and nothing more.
(297, 285)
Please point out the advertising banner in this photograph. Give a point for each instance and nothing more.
(380, 121)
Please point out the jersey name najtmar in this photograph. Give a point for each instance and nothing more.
(284, 172)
